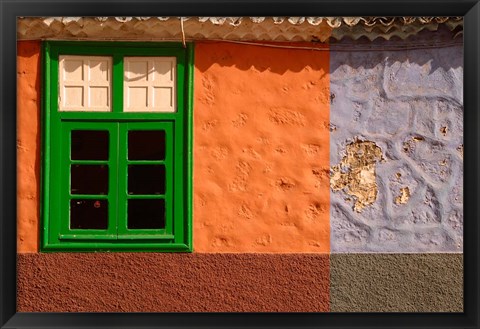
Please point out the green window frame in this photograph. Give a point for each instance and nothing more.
(67, 201)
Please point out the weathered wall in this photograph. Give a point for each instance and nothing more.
(28, 145)
(404, 193)
(265, 122)
(261, 145)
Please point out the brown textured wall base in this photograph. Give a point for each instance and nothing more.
(151, 282)
(396, 282)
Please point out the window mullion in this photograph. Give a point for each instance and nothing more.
(85, 85)
(117, 84)
(121, 179)
(116, 176)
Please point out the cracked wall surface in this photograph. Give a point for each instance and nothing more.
(409, 104)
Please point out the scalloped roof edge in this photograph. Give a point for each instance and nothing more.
(229, 28)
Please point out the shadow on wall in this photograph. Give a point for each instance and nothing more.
(262, 58)
(413, 50)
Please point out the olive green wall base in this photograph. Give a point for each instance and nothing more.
(396, 283)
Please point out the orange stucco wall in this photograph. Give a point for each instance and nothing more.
(28, 145)
(261, 149)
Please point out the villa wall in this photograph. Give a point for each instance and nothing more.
(324, 179)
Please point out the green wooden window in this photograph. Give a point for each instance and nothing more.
(117, 146)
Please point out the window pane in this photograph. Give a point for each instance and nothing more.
(84, 83)
(89, 179)
(88, 214)
(146, 179)
(149, 84)
(146, 214)
(146, 145)
(89, 145)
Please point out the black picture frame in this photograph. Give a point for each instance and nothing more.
(10, 9)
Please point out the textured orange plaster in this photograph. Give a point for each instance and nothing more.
(261, 149)
(28, 145)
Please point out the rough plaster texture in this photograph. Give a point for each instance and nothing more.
(156, 282)
(261, 145)
(409, 104)
(396, 282)
(28, 145)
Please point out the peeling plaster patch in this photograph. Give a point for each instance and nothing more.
(444, 130)
(409, 145)
(401, 182)
(356, 173)
(460, 150)
(404, 196)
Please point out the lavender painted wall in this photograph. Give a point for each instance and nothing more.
(409, 104)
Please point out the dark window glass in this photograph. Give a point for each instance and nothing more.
(88, 214)
(146, 214)
(89, 179)
(146, 179)
(89, 145)
(146, 145)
